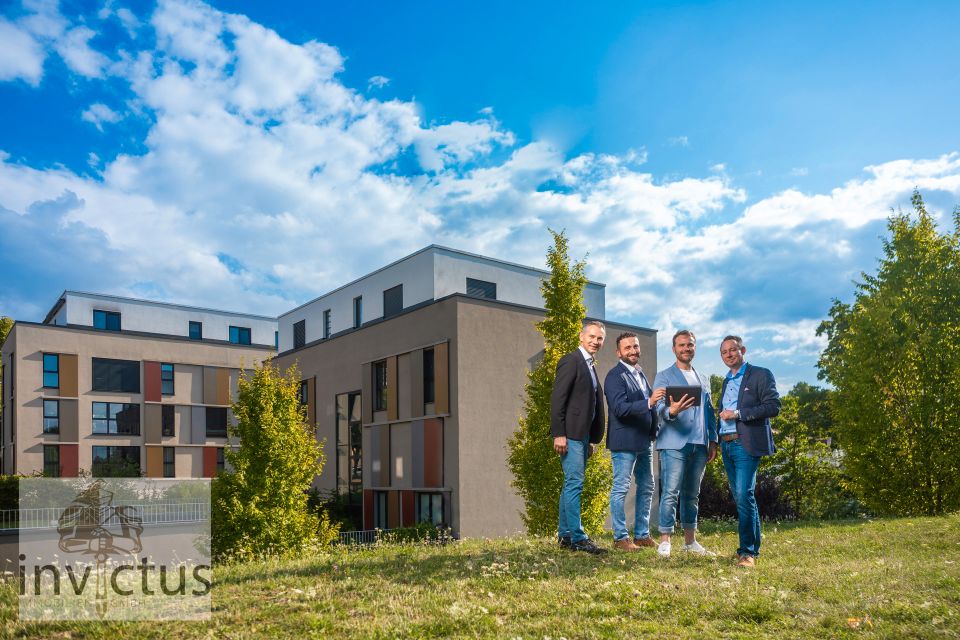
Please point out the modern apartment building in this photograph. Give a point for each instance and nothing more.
(106, 381)
(414, 377)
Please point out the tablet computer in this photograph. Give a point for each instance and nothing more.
(675, 393)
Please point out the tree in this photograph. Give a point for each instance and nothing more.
(537, 475)
(259, 507)
(5, 325)
(894, 357)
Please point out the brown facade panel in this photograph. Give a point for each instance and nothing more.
(392, 395)
(433, 452)
(69, 460)
(210, 385)
(151, 381)
(379, 455)
(154, 462)
(416, 383)
(441, 373)
(407, 509)
(393, 509)
(69, 422)
(223, 386)
(366, 393)
(209, 461)
(68, 375)
(368, 509)
(152, 423)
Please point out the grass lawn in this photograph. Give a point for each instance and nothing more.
(895, 578)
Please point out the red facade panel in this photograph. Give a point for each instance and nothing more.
(151, 381)
(368, 509)
(209, 461)
(407, 509)
(69, 461)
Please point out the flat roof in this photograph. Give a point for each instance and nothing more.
(106, 296)
(432, 247)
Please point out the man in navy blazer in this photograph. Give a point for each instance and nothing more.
(748, 400)
(632, 426)
(576, 424)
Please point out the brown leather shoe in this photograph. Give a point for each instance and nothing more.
(625, 545)
(644, 542)
(746, 561)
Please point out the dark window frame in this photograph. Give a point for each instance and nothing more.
(103, 379)
(168, 419)
(435, 516)
(111, 452)
(481, 289)
(195, 335)
(170, 466)
(327, 315)
(221, 459)
(216, 411)
(51, 464)
(240, 335)
(429, 375)
(115, 421)
(357, 312)
(303, 395)
(51, 427)
(392, 301)
(51, 372)
(164, 379)
(381, 510)
(349, 443)
(103, 319)
(299, 333)
(380, 389)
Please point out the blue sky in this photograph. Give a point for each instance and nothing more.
(726, 167)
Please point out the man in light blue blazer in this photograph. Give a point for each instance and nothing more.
(687, 441)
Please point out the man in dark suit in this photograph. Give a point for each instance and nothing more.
(748, 399)
(632, 427)
(576, 424)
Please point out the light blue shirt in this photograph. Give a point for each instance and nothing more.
(730, 397)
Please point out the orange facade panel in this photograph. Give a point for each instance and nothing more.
(68, 375)
(154, 462)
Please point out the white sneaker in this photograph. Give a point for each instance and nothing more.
(697, 548)
(663, 549)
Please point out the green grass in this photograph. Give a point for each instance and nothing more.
(896, 578)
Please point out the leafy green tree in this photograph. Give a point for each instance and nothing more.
(537, 475)
(894, 357)
(259, 507)
(5, 325)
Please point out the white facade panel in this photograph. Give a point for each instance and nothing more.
(157, 317)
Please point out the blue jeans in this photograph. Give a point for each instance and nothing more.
(574, 463)
(741, 468)
(638, 464)
(681, 471)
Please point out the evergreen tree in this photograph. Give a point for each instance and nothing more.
(537, 475)
(894, 357)
(260, 505)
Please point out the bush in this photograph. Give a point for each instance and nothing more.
(345, 510)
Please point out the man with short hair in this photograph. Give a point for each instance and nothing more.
(632, 427)
(576, 424)
(748, 399)
(687, 442)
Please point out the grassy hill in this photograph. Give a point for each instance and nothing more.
(893, 578)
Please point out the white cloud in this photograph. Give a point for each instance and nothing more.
(98, 113)
(21, 56)
(679, 141)
(377, 82)
(74, 48)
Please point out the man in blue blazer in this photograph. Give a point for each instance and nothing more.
(631, 427)
(687, 442)
(576, 424)
(748, 400)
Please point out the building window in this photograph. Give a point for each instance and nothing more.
(357, 312)
(196, 330)
(430, 508)
(51, 416)
(276, 340)
(51, 370)
(109, 320)
(380, 520)
(393, 301)
(116, 462)
(221, 459)
(216, 422)
(116, 375)
(167, 421)
(169, 462)
(116, 418)
(304, 393)
(429, 381)
(326, 324)
(51, 461)
(299, 334)
(380, 386)
(166, 379)
(481, 289)
(240, 335)
(349, 445)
